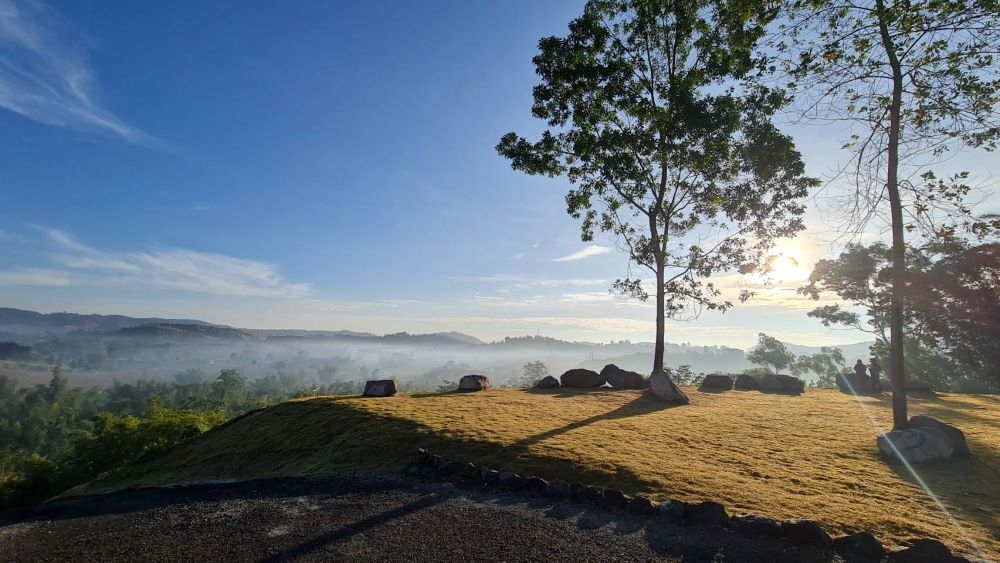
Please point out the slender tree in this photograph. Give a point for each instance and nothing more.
(919, 78)
(770, 351)
(657, 122)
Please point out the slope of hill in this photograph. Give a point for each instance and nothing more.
(30, 322)
(810, 456)
(185, 331)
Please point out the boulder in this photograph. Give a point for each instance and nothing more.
(745, 381)
(642, 505)
(547, 382)
(779, 383)
(861, 547)
(613, 498)
(664, 388)
(380, 388)
(473, 383)
(806, 532)
(557, 488)
(581, 378)
(926, 439)
(717, 382)
(710, 514)
(511, 480)
(757, 525)
(956, 436)
(923, 550)
(673, 510)
(853, 383)
(536, 484)
(622, 379)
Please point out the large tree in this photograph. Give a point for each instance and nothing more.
(918, 78)
(656, 120)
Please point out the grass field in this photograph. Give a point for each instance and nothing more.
(810, 456)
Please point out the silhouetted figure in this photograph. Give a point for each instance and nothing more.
(876, 370)
(860, 370)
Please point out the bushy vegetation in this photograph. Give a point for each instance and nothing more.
(54, 436)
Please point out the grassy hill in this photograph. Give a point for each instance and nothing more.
(811, 456)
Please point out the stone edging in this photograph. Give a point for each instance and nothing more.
(860, 546)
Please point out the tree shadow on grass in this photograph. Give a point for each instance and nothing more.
(969, 487)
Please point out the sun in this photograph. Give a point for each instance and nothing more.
(785, 267)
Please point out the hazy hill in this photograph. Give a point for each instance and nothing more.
(185, 331)
(20, 321)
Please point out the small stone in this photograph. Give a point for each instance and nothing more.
(710, 514)
(806, 532)
(673, 510)
(557, 488)
(756, 524)
(861, 547)
(642, 505)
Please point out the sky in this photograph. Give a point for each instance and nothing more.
(323, 165)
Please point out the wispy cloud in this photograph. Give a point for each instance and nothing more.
(515, 282)
(592, 250)
(45, 74)
(168, 269)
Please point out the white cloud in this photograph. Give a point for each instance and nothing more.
(35, 277)
(45, 74)
(172, 269)
(592, 250)
(513, 282)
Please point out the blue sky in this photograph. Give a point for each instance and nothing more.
(323, 165)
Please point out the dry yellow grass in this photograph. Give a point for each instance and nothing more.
(811, 456)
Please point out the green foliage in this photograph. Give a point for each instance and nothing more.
(532, 373)
(682, 375)
(826, 364)
(660, 125)
(770, 352)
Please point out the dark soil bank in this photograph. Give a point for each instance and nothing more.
(358, 519)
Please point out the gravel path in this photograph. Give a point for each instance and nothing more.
(357, 519)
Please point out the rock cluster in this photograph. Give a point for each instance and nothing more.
(924, 439)
(623, 379)
(859, 547)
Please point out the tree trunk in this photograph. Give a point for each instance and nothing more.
(898, 296)
(660, 316)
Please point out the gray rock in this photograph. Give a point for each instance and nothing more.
(474, 383)
(511, 480)
(469, 471)
(547, 382)
(717, 382)
(642, 505)
(780, 383)
(591, 495)
(557, 488)
(929, 439)
(756, 524)
(709, 514)
(490, 476)
(806, 532)
(622, 379)
(581, 378)
(853, 383)
(673, 510)
(861, 547)
(380, 388)
(955, 436)
(665, 389)
(923, 550)
(745, 381)
(576, 490)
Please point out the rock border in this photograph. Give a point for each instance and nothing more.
(427, 465)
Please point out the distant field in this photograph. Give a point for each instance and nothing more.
(811, 456)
